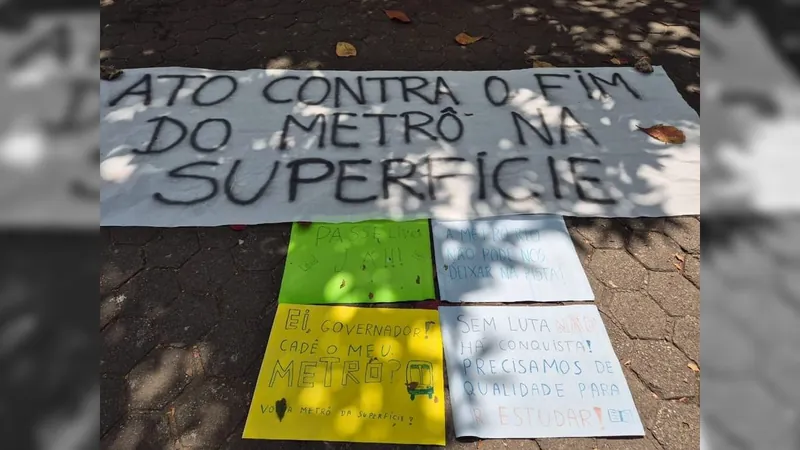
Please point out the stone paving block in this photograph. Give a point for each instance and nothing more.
(686, 336)
(112, 401)
(617, 269)
(507, 444)
(674, 293)
(567, 444)
(601, 232)
(232, 346)
(125, 342)
(172, 248)
(691, 269)
(621, 342)
(140, 431)
(647, 403)
(218, 237)
(247, 295)
(159, 378)
(132, 235)
(678, 426)
(602, 295)
(664, 369)
(655, 251)
(149, 293)
(644, 443)
(686, 232)
(120, 262)
(110, 308)
(261, 249)
(188, 318)
(206, 271)
(206, 413)
(582, 245)
(639, 315)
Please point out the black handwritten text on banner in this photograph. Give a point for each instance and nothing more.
(193, 147)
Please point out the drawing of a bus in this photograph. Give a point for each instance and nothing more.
(419, 379)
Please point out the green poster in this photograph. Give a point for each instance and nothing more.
(364, 262)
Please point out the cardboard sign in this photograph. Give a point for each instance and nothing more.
(508, 259)
(366, 262)
(338, 373)
(194, 147)
(534, 372)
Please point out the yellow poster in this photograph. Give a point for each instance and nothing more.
(341, 373)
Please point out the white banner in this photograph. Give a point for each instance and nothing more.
(192, 147)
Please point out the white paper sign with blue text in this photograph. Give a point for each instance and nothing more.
(508, 259)
(534, 372)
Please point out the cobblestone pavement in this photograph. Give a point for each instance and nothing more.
(185, 313)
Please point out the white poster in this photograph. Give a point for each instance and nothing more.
(508, 259)
(534, 372)
(186, 147)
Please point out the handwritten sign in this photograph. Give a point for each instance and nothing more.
(191, 147)
(534, 372)
(338, 373)
(366, 262)
(509, 259)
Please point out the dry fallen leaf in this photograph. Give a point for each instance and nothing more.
(679, 257)
(109, 73)
(542, 64)
(643, 65)
(693, 366)
(345, 50)
(665, 133)
(465, 39)
(627, 363)
(399, 16)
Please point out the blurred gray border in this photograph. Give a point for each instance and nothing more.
(750, 319)
(49, 347)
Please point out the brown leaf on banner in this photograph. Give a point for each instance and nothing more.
(643, 65)
(542, 64)
(693, 366)
(665, 133)
(618, 61)
(465, 39)
(399, 16)
(345, 50)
